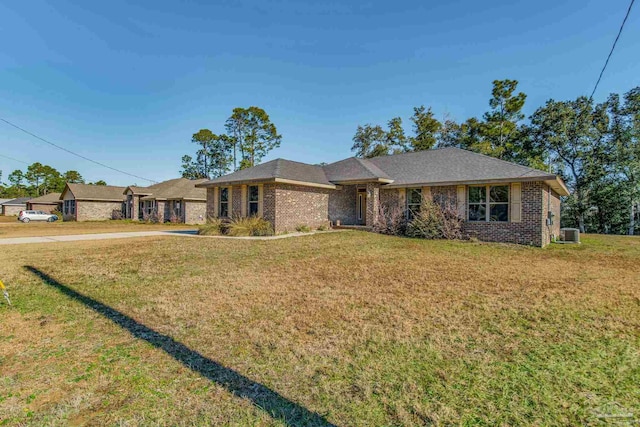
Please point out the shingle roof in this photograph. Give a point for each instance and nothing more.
(452, 165)
(96, 192)
(354, 169)
(51, 198)
(179, 188)
(138, 190)
(17, 202)
(277, 170)
(441, 166)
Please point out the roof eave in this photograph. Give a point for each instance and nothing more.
(263, 180)
(546, 178)
(362, 181)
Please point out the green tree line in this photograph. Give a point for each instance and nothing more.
(594, 147)
(38, 180)
(249, 135)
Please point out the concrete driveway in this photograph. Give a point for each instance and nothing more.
(99, 236)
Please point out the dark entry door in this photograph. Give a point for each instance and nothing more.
(361, 207)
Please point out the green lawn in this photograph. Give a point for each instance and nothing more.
(346, 329)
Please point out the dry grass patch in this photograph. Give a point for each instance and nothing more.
(362, 329)
(16, 228)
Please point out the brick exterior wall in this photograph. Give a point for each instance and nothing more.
(526, 232)
(342, 205)
(13, 210)
(390, 197)
(531, 230)
(194, 212)
(550, 204)
(45, 207)
(269, 203)
(236, 201)
(373, 203)
(445, 196)
(94, 210)
(211, 204)
(288, 206)
(298, 205)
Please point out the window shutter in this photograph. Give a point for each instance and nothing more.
(516, 202)
(243, 201)
(462, 200)
(230, 209)
(216, 196)
(426, 193)
(260, 196)
(402, 197)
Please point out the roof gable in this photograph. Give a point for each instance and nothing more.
(354, 169)
(278, 170)
(52, 198)
(109, 193)
(179, 188)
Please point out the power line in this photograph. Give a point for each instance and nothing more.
(612, 49)
(15, 160)
(73, 153)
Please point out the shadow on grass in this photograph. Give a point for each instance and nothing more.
(277, 406)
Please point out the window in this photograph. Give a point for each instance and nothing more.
(477, 203)
(414, 200)
(177, 208)
(253, 200)
(69, 207)
(489, 203)
(499, 203)
(223, 209)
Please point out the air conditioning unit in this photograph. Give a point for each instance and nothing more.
(570, 235)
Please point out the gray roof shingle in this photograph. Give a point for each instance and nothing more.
(354, 169)
(278, 169)
(441, 166)
(51, 198)
(451, 165)
(17, 202)
(96, 192)
(179, 188)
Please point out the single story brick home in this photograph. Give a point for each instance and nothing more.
(176, 200)
(47, 203)
(14, 206)
(85, 202)
(499, 201)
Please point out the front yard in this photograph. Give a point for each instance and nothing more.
(346, 329)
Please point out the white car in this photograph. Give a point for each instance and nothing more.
(26, 216)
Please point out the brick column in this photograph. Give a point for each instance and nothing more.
(135, 207)
(373, 203)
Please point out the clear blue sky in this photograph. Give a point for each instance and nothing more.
(128, 85)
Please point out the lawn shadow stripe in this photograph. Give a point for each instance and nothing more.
(277, 406)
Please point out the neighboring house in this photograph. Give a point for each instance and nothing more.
(47, 203)
(14, 206)
(84, 202)
(499, 201)
(176, 200)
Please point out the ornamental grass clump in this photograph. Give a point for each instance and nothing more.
(249, 226)
(213, 227)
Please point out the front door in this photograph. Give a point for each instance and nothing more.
(361, 207)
